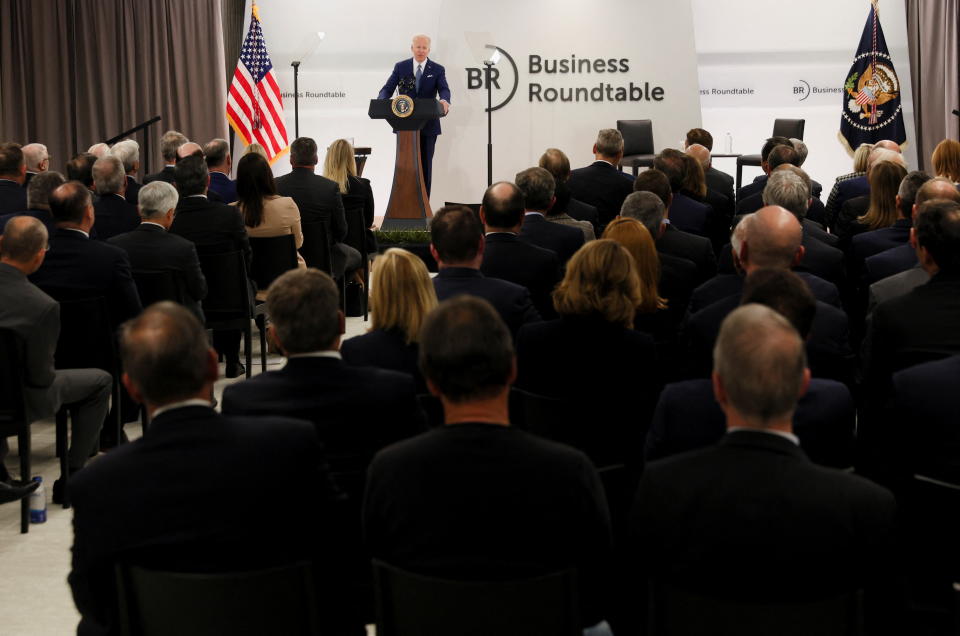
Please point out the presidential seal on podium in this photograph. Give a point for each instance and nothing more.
(402, 105)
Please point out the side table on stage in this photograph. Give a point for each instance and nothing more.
(409, 206)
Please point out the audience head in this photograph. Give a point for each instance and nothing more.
(801, 149)
(109, 176)
(303, 153)
(946, 160)
(601, 282)
(80, 168)
(192, 177)
(693, 178)
(936, 188)
(861, 157)
(672, 163)
(769, 145)
(23, 244)
(503, 206)
(937, 234)
(12, 165)
(128, 152)
(556, 163)
(609, 145)
(254, 184)
(401, 294)
(304, 310)
(466, 351)
(770, 237)
(166, 356)
(71, 204)
(784, 292)
(36, 157)
(699, 136)
(456, 237)
(170, 142)
(885, 179)
(40, 187)
(257, 149)
(647, 208)
(880, 154)
(701, 153)
(632, 234)
(217, 154)
(888, 145)
(781, 155)
(655, 181)
(538, 188)
(189, 149)
(340, 164)
(907, 192)
(158, 200)
(99, 149)
(759, 368)
(787, 189)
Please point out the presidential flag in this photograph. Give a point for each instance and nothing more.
(871, 98)
(254, 104)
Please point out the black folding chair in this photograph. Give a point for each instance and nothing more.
(637, 143)
(272, 256)
(13, 420)
(154, 286)
(317, 251)
(410, 603)
(357, 239)
(279, 600)
(229, 301)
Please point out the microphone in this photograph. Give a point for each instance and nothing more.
(956, 112)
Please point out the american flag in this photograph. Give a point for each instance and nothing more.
(866, 95)
(254, 104)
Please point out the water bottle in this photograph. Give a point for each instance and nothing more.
(38, 503)
(729, 144)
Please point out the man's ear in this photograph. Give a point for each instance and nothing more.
(719, 393)
(913, 235)
(342, 320)
(434, 253)
(432, 388)
(798, 257)
(483, 216)
(132, 388)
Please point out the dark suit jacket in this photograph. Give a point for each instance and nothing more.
(223, 186)
(689, 215)
(384, 349)
(678, 278)
(846, 225)
(132, 193)
(13, 197)
(206, 223)
(716, 521)
(359, 196)
(889, 262)
(822, 260)
(562, 240)
(511, 301)
(724, 285)
(509, 258)
(164, 175)
(602, 186)
(814, 229)
(113, 215)
(756, 187)
(151, 248)
(80, 267)
(869, 243)
(815, 213)
(193, 495)
(697, 249)
(849, 189)
(44, 216)
(433, 84)
(688, 417)
(720, 182)
(584, 212)
(439, 504)
(318, 199)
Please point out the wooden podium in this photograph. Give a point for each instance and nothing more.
(409, 206)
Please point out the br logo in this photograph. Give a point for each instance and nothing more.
(476, 77)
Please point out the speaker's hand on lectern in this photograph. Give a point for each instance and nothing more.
(446, 106)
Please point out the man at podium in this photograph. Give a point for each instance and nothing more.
(420, 77)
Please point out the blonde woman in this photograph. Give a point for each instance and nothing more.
(256, 149)
(946, 160)
(340, 166)
(401, 294)
(884, 179)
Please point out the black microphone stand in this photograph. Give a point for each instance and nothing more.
(296, 99)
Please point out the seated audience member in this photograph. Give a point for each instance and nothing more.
(214, 227)
(80, 168)
(37, 160)
(13, 170)
(554, 161)
(457, 243)
(38, 200)
(537, 186)
(714, 522)
(401, 295)
(719, 182)
(151, 248)
(98, 150)
(169, 143)
(219, 163)
(885, 150)
(189, 149)
(128, 152)
(860, 157)
(438, 504)
(507, 257)
(686, 213)
(258, 149)
(688, 417)
(946, 160)
(881, 211)
(760, 182)
(340, 166)
(696, 249)
(191, 495)
(602, 184)
(719, 201)
(114, 214)
(318, 200)
(802, 153)
(591, 359)
(77, 267)
(784, 158)
(873, 242)
(35, 318)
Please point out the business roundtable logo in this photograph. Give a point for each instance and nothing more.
(477, 77)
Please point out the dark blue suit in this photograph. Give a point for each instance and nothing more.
(511, 301)
(433, 83)
(892, 261)
(723, 285)
(689, 214)
(224, 186)
(43, 216)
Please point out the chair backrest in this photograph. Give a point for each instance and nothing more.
(228, 292)
(637, 136)
(929, 510)
(356, 230)
(789, 128)
(272, 256)
(274, 601)
(316, 249)
(12, 417)
(680, 613)
(154, 286)
(87, 336)
(409, 603)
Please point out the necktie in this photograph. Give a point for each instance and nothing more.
(419, 73)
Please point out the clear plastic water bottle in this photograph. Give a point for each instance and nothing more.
(38, 503)
(729, 144)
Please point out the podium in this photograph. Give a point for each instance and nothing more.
(409, 206)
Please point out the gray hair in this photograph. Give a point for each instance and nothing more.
(128, 152)
(33, 155)
(23, 237)
(787, 189)
(156, 198)
(216, 152)
(99, 149)
(760, 360)
(609, 142)
(169, 142)
(647, 208)
(739, 233)
(421, 36)
(304, 307)
(40, 187)
(879, 154)
(109, 176)
(538, 187)
(801, 149)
